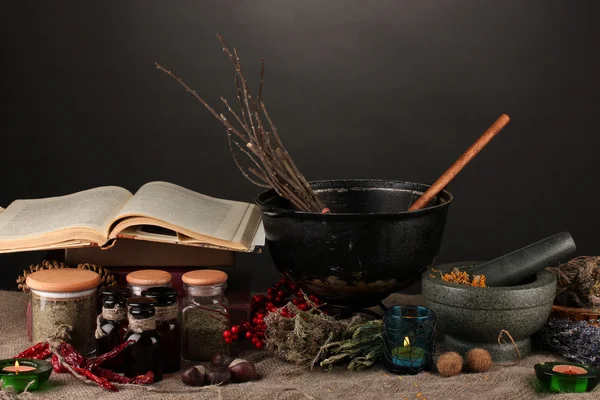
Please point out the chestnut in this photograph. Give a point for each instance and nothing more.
(218, 375)
(242, 370)
(194, 376)
(220, 360)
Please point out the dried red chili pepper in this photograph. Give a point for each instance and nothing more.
(146, 379)
(111, 376)
(107, 356)
(43, 355)
(102, 382)
(71, 356)
(33, 350)
(56, 366)
(84, 367)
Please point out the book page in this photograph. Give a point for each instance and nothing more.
(90, 209)
(260, 237)
(184, 208)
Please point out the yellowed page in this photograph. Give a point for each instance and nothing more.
(41, 219)
(193, 214)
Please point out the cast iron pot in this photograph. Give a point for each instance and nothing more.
(368, 247)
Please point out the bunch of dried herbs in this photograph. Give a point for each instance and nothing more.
(578, 282)
(311, 337)
(362, 346)
(576, 341)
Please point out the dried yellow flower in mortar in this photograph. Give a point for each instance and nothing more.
(463, 278)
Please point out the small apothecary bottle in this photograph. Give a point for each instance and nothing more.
(167, 325)
(145, 353)
(204, 316)
(65, 296)
(143, 279)
(112, 324)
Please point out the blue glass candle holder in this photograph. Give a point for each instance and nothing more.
(408, 339)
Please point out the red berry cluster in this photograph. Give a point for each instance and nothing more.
(275, 300)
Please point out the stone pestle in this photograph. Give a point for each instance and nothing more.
(511, 269)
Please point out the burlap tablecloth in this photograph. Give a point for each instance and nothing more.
(281, 380)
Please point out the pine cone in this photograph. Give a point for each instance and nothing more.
(106, 277)
(45, 264)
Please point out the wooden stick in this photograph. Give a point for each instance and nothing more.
(459, 164)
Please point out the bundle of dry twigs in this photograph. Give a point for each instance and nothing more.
(272, 166)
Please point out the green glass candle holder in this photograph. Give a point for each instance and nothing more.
(30, 374)
(567, 377)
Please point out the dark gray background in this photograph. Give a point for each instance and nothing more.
(359, 89)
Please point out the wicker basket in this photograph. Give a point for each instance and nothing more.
(577, 314)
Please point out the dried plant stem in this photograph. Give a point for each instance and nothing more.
(273, 167)
(502, 341)
(224, 315)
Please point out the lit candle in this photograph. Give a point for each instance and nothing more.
(566, 380)
(407, 355)
(567, 377)
(408, 339)
(24, 373)
(569, 369)
(18, 368)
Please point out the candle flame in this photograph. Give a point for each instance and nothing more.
(406, 341)
(16, 364)
(16, 368)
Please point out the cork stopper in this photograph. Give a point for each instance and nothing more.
(204, 277)
(63, 280)
(148, 277)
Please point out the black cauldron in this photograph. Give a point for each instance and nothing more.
(368, 247)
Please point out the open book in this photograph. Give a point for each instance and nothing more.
(159, 211)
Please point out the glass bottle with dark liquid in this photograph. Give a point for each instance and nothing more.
(112, 324)
(145, 353)
(167, 325)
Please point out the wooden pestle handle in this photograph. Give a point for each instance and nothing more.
(459, 164)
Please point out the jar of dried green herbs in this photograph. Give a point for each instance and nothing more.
(204, 316)
(65, 296)
(143, 279)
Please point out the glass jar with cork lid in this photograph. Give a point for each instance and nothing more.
(65, 296)
(143, 279)
(204, 316)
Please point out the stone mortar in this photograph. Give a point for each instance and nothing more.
(474, 317)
